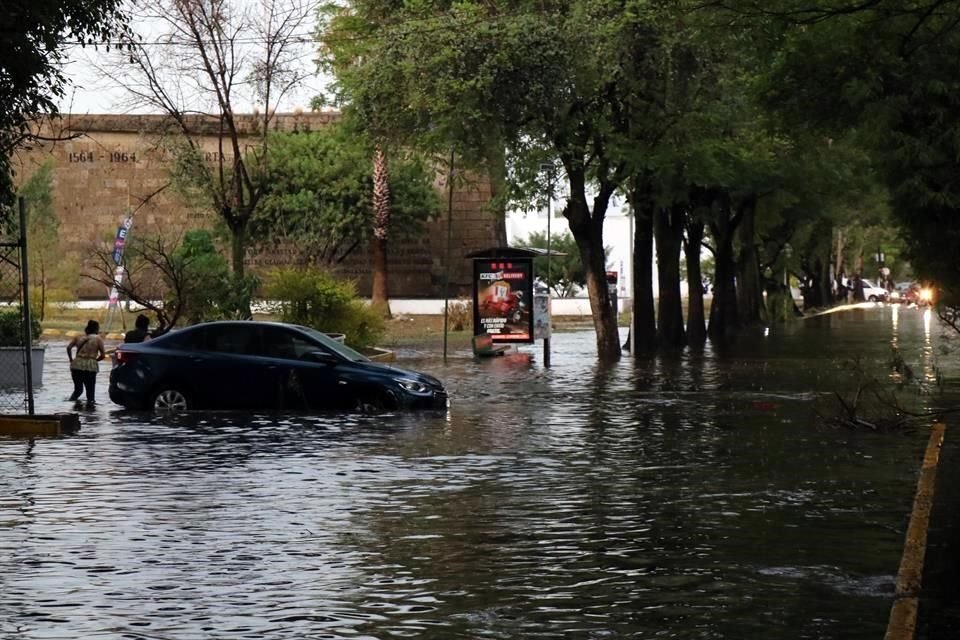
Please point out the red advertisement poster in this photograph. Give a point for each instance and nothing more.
(502, 300)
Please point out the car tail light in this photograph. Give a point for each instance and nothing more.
(123, 357)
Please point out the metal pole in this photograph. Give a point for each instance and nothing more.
(546, 341)
(446, 279)
(633, 286)
(25, 305)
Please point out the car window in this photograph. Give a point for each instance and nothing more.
(280, 343)
(190, 339)
(237, 339)
(332, 345)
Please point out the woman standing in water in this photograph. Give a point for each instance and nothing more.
(84, 366)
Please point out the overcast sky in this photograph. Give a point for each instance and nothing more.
(89, 93)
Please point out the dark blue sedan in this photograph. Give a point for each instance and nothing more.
(261, 365)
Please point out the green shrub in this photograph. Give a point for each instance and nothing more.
(11, 328)
(212, 292)
(316, 299)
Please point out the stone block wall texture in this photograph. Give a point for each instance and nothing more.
(114, 164)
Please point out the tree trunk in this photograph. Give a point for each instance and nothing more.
(723, 311)
(696, 314)
(643, 332)
(824, 267)
(587, 230)
(749, 290)
(839, 267)
(668, 228)
(497, 172)
(238, 249)
(43, 290)
(381, 223)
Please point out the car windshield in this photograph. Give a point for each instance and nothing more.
(337, 347)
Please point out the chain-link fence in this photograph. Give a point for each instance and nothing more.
(20, 363)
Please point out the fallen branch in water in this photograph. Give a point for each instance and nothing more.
(876, 408)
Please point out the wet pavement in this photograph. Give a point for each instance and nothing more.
(682, 497)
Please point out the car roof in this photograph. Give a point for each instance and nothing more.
(230, 323)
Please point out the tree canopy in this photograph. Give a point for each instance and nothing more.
(889, 70)
(319, 194)
(33, 46)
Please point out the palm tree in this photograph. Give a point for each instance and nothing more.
(381, 223)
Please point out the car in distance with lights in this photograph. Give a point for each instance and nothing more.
(251, 365)
(871, 292)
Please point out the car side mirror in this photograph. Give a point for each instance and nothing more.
(322, 357)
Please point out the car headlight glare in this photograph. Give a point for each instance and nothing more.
(412, 386)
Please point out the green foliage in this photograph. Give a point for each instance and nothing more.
(314, 298)
(43, 238)
(212, 291)
(32, 53)
(319, 196)
(11, 327)
(886, 70)
(566, 274)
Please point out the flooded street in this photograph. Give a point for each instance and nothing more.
(684, 497)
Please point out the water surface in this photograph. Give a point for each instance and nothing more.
(696, 496)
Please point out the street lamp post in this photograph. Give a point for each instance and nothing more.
(548, 168)
(446, 278)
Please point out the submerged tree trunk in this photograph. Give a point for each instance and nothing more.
(668, 229)
(643, 332)
(823, 268)
(749, 290)
(381, 223)
(587, 230)
(696, 315)
(724, 319)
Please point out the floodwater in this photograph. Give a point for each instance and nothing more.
(695, 496)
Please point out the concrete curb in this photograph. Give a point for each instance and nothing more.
(39, 426)
(903, 613)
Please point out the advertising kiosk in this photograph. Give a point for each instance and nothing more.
(507, 308)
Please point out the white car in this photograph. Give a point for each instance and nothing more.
(871, 291)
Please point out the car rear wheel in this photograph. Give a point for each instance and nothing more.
(168, 399)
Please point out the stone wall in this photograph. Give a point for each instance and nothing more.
(112, 164)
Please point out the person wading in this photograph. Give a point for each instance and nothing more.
(84, 366)
(141, 332)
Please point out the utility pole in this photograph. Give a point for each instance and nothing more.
(549, 168)
(446, 279)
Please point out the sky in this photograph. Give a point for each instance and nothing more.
(91, 93)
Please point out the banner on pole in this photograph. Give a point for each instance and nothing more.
(120, 242)
(118, 245)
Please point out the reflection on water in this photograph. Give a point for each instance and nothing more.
(682, 497)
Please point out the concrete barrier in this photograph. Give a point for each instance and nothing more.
(39, 426)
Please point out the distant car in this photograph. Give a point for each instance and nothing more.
(261, 365)
(871, 291)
